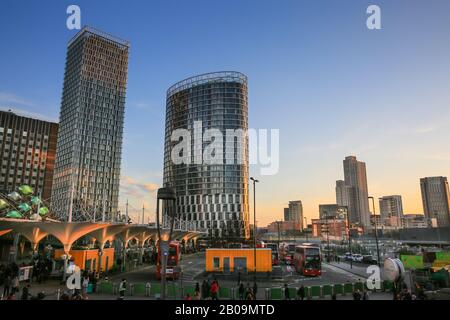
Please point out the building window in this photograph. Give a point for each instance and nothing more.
(216, 263)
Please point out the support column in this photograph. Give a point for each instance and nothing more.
(15, 249)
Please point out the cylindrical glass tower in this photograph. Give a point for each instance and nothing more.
(212, 196)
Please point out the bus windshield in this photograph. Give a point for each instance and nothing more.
(312, 258)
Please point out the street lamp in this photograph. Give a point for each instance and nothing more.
(376, 230)
(254, 227)
(168, 196)
(306, 227)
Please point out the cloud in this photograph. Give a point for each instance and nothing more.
(134, 188)
(10, 98)
(426, 129)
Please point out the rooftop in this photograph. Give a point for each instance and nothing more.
(89, 30)
(226, 76)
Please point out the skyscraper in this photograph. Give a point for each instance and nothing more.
(296, 212)
(391, 210)
(210, 195)
(356, 179)
(436, 199)
(27, 149)
(87, 169)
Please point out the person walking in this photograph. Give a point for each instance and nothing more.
(214, 290)
(357, 295)
(365, 295)
(122, 289)
(85, 285)
(15, 284)
(301, 293)
(204, 290)
(255, 290)
(250, 295)
(286, 292)
(6, 286)
(241, 291)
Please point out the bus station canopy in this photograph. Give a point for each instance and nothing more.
(69, 232)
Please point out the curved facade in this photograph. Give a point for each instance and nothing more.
(213, 196)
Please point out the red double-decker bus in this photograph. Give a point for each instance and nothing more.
(173, 261)
(307, 260)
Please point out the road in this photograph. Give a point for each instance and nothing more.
(193, 267)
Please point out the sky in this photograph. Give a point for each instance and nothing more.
(330, 85)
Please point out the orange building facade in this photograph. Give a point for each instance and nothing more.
(88, 260)
(234, 260)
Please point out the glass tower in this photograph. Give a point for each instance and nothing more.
(213, 197)
(88, 154)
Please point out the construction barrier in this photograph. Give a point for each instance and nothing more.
(105, 288)
(338, 289)
(275, 294)
(327, 290)
(348, 288)
(315, 292)
(225, 293)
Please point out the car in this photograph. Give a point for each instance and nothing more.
(348, 257)
(357, 258)
(369, 259)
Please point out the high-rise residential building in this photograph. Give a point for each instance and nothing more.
(89, 150)
(296, 212)
(212, 193)
(286, 214)
(391, 210)
(356, 179)
(27, 153)
(332, 211)
(436, 199)
(342, 193)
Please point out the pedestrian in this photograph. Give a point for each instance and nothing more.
(255, 289)
(15, 284)
(241, 291)
(196, 295)
(85, 285)
(301, 293)
(365, 295)
(286, 292)
(7, 286)
(204, 290)
(357, 295)
(25, 293)
(250, 295)
(188, 297)
(214, 290)
(333, 296)
(122, 289)
(197, 289)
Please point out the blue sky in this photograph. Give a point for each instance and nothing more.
(330, 85)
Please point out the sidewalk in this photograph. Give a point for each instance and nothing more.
(356, 268)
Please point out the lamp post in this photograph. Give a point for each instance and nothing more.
(376, 230)
(167, 195)
(306, 227)
(349, 240)
(254, 228)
